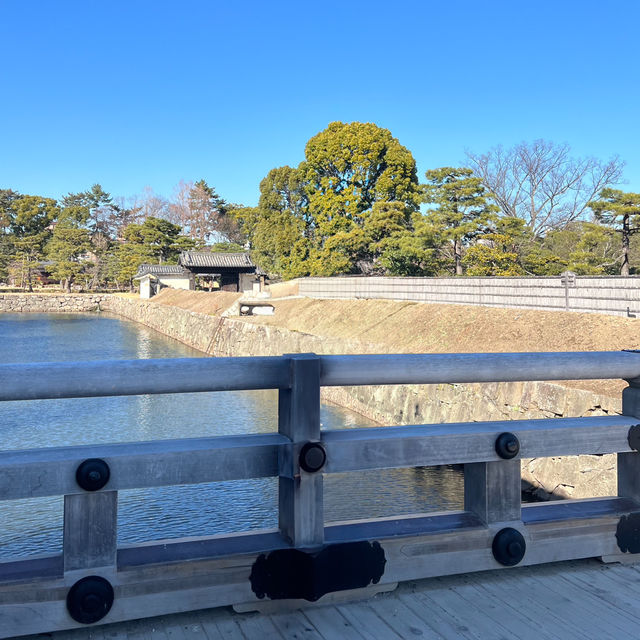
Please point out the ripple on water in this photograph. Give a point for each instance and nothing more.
(35, 526)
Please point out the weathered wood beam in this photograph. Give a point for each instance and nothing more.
(45, 472)
(187, 375)
(452, 543)
(300, 494)
(459, 443)
(477, 367)
(135, 377)
(90, 530)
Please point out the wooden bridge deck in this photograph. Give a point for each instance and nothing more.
(573, 600)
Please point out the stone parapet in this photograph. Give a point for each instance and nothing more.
(51, 303)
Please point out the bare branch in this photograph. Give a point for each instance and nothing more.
(542, 184)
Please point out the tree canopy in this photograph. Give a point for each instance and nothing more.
(354, 205)
(620, 211)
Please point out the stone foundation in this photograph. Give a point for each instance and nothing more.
(51, 303)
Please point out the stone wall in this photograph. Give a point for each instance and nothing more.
(572, 476)
(51, 303)
(614, 295)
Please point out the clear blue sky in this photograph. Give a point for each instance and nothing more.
(137, 93)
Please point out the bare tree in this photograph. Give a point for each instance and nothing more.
(150, 205)
(542, 183)
(180, 205)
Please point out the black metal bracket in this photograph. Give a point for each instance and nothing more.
(291, 573)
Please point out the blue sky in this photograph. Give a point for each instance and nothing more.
(146, 93)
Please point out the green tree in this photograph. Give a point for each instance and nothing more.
(349, 207)
(158, 239)
(498, 253)
(585, 248)
(69, 242)
(621, 212)
(280, 226)
(98, 213)
(8, 200)
(460, 208)
(31, 227)
(349, 167)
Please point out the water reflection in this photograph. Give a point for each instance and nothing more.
(35, 526)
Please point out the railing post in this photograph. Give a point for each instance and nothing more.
(629, 462)
(300, 492)
(492, 490)
(90, 530)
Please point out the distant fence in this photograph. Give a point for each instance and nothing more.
(614, 295)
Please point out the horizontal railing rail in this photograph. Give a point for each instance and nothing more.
(189, 375)
(37, 473)
(94, 580)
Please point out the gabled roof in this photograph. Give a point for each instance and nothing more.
(161, 270)
(209, 259)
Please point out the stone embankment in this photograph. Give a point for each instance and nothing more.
(574, 476)
(216, 335)
(51, 303)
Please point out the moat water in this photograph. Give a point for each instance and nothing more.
(34, 527)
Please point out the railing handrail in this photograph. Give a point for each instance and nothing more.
(188, 375)
(96, 580)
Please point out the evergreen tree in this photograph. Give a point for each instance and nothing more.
(620, 211)
(459, 208)
(31, 228)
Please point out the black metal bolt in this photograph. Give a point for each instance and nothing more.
(633, 437)
(92, 474)
(312, 457)
(508, 547)
(507, 445)
(90, 599)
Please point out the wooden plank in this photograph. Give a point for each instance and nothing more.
(331, 624)
(591, 606)
(294, 625)
(532, 597)
(459, 443)
(218, 626)
(486, 604)
(450, 602)
(135, 377)
(492, 490)
(402, 619)
(44, 472)
(404, 527)
(443, 624)
(369, 624)
(535, 604)
(90, 530)
(300, 496)
(258, 626)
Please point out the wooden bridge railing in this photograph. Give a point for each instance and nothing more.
(93, 581)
